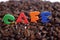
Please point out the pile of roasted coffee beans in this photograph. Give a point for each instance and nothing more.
(31, 31)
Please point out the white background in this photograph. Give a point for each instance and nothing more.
(3, 0)
(43, 0)
(53, 0)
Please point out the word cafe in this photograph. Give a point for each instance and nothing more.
(33, 17)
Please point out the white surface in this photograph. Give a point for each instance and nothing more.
(3, 0)
(53, 0)
(43, 0)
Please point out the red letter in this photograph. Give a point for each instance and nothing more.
(21, 18)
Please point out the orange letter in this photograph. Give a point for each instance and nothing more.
(34, 16)
(21, 18)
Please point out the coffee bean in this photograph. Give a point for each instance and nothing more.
(31, 31)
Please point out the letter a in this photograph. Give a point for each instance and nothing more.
(22, 17)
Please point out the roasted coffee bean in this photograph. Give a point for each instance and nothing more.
(31, 31)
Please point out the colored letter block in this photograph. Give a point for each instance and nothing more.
(8, 17)
(22, 18)
(34, 16)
